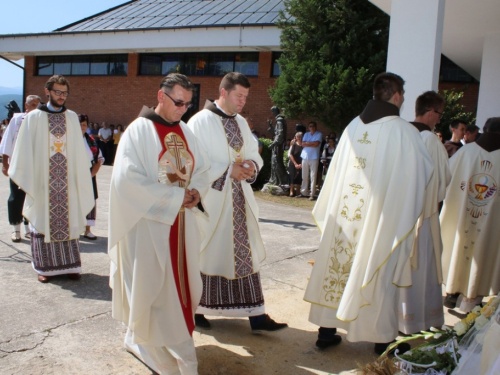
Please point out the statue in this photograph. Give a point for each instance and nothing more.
(12, 107)
(279, 175)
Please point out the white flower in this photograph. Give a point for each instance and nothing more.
(477, 310)
(437, 335)
(435, 329)
(460, 328)
(480, 321)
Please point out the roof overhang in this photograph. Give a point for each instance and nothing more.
(193, 39)
(466, 24)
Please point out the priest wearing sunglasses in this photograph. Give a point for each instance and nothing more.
(159, 178)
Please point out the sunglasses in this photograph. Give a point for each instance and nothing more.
(179, 103)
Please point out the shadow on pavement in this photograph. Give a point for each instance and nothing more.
(288, 224)
(90, 286)
(291, 349)
(100, 245)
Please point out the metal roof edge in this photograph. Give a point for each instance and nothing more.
(62, 33)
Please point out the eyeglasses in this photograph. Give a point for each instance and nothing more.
(179, 103)
(61, 93)
(439, 113)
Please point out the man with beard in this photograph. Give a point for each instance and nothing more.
(232, 248)
(160, 175)
(51, 165)
(15, 202)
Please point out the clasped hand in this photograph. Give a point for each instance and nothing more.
(191, 198)
(243, 170)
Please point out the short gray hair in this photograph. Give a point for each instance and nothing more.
(176, 79)
(31, 98)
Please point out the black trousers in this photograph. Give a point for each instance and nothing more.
(15, 204)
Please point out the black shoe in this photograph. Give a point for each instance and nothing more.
(268, 325)
(323, 344)
(451, 301)
(201, 322)
(380, 348)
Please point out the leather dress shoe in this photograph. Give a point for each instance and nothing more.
(268, 325)
(43, 279)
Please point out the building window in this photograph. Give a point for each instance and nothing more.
(83, 65)
(276, 67)
(247, 63)
(196, 64)
(200, 64)
(451, 72)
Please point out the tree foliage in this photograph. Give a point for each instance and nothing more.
(453, 110)
(332, 50)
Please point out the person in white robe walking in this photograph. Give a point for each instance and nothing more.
(153, 235)
(469, 220)
(367, 213)
(232, 248)
(421, 305)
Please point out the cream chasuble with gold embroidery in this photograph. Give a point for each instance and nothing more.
(470, 221)
(367, 213)
(52, 167)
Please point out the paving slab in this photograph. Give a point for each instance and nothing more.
(65, 326)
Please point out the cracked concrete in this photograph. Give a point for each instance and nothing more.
(65, 326)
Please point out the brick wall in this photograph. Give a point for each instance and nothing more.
(471, 93)
(119, 99)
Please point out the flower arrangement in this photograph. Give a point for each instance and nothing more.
(439, 354)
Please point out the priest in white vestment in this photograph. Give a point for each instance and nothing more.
(153, 235)
(421, 305)
(367, 213)
(470, 220)
(15, 202)
(51, 165)
(232, 248)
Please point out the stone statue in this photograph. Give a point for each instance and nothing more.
(279, 175)
(12, 107)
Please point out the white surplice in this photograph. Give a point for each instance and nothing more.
(10, 135)
(29, 169)
(470, 223)
(142, 211)
(421, 305)
(367, 213)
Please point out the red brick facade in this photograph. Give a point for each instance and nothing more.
(118, 99)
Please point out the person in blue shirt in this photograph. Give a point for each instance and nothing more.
(311, 143)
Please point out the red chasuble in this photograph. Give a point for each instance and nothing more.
(176, 163)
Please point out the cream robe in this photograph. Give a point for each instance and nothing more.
(29, 169)
(470, 223)
(141, 213)
(367, 213)
(218, 228)
(421, 305)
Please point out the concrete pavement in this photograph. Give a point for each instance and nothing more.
(65, 326)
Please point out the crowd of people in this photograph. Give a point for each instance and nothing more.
(398, 217)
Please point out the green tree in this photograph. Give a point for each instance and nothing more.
(453, 110)
(332, 50)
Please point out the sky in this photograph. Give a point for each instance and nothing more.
(30, 16)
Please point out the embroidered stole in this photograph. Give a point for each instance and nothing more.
(58, 179)
(176, 163)
(243, 265)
